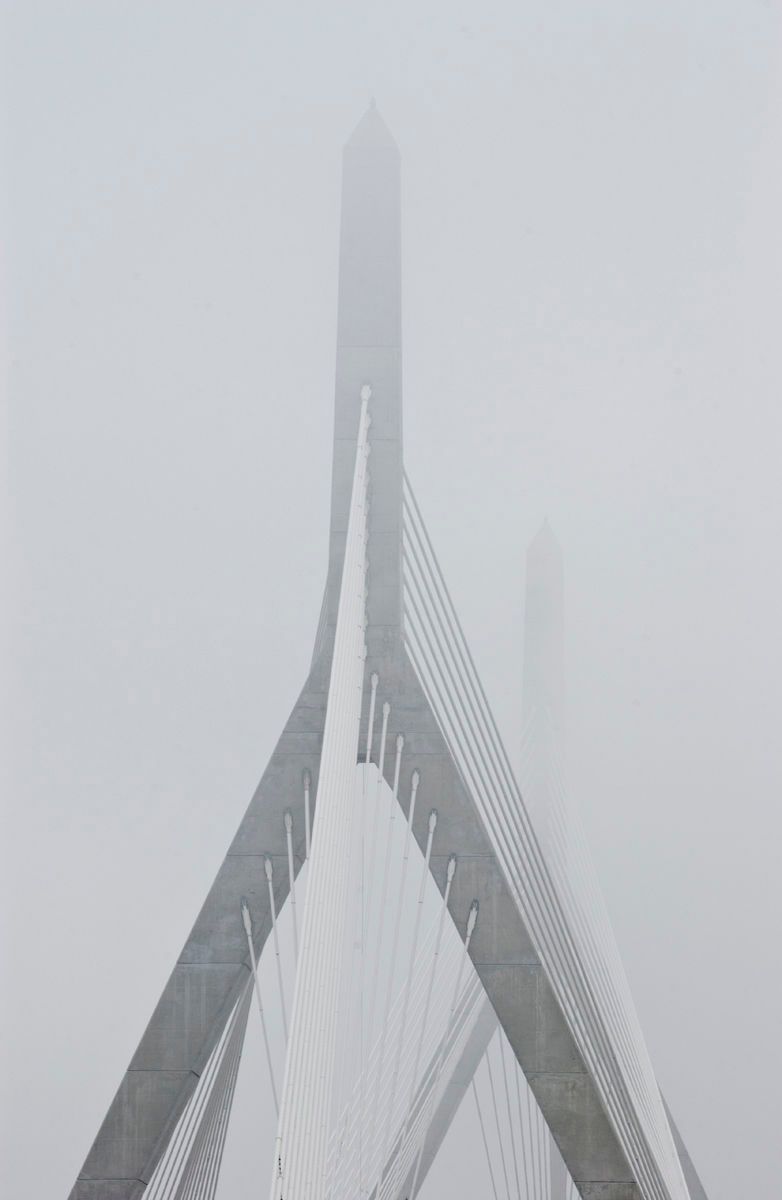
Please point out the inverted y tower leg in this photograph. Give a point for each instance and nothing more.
(214, 963)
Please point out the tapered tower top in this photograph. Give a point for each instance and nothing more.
(371, 133)
(369, 355)
(545, 547)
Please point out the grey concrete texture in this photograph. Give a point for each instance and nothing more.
(498, 937)
(111, 1189)
(609, 1191)
(212, 967)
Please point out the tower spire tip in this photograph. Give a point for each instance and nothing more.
(371, 133)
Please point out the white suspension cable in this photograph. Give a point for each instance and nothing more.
(472, 918)
(169, 1169)
(351, 1051)
(292, 882)
(269, 869)
(510, 1118)
(207, 1176)
(356, 1028)
(373, 837)
(383, 737)
(371, 723)
(451, 1045)
(400, 741)
(368, 1015)
(578, 1007)
(374, 1161)
(485, 1141)
(575, 873)
(214, 1096)
(356, 1114)
(307, 823)
(497, 1116)
(248, 929)
(362, 915)
(395, 939)
(194, 1168)
(545, 1138)
(526, 1157)
(449, 876)
(395, 943)
(652, 1091)
(464, 652)
(573, 868)
(392, 811)
(450, 872)
(207, 1148)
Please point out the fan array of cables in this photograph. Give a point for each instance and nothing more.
(581, 963)
(190, 1166)
(390, 1024)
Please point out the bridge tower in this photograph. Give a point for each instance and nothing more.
(548, 982)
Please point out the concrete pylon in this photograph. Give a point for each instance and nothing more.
(543, 707)
(544, 721)
(212, 968)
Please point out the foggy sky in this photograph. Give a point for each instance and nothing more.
(591, 273)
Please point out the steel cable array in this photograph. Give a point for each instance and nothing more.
(595, 1002)
(190, 1166)
(358, 1103)
(344, 1151)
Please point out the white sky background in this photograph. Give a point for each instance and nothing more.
(592, 287)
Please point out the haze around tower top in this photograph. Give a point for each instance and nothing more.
(591, 289)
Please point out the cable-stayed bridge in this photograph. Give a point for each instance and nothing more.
(447, 929)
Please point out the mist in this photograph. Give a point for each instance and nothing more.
(591, 295)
